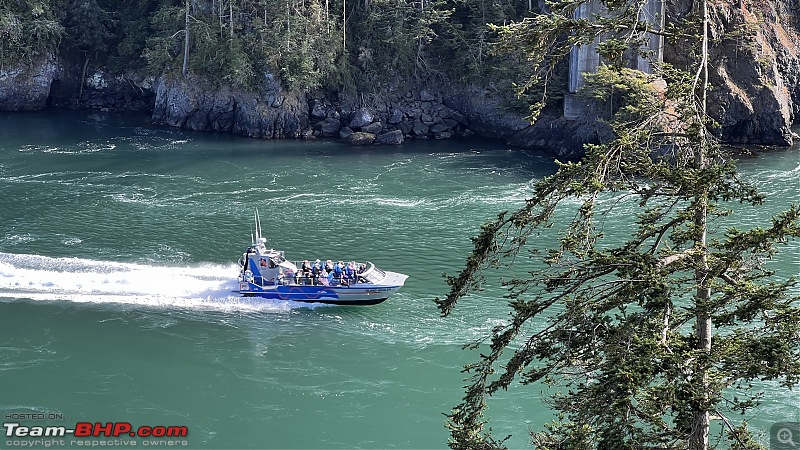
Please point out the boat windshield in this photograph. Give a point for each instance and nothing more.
(375, 275)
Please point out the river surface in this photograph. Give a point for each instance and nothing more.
(118, 250)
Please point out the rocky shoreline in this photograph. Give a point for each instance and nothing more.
(755, 97)
(436, 111)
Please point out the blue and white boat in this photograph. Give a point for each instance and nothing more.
(266, 273)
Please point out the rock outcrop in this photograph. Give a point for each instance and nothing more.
(185, 103)
(755, 69)
(400, 113)
(26, 87)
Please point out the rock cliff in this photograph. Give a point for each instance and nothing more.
(755, 78)
(755, 69)
(188, 103)
(26, 87)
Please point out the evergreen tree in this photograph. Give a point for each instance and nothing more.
(28, 30)
(88, 27)
(644, 336)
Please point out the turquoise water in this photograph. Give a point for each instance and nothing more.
(118, 244)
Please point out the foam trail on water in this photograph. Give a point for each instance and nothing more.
(199, 286)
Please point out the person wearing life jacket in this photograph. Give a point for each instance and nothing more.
(332, 280)
(316, 270)
(338, 270)
(322, 279)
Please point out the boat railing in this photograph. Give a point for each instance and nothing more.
(299, 265)
(371, 274)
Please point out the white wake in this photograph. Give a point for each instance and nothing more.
(197, 286)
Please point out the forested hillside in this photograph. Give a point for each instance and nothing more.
(423, 68)
(330, 44)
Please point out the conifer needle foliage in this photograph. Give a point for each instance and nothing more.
(651, 338)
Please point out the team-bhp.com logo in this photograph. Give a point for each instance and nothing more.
(97, 429)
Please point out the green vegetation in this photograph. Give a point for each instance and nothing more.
(28, 30)
(333, 44)
(648, 335)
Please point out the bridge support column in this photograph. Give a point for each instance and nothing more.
(582, 59)
(653, 14)
(585, 59)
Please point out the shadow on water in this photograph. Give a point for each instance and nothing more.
(176, 148)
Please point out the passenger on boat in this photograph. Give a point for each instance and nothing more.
(323, 278)
(332, 280)
(350, 271)
(290, 276)
(316, 269)
(306, 272)
(262, 262)
(338, 270)
(329, 265)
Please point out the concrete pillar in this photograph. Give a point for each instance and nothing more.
(653, 14)
(585, 59)
(582, 59)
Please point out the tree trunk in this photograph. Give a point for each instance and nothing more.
(698, 439)
(185, 69)
(83, 75)
(344, 26)
(288, 26)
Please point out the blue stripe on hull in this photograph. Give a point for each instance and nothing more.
(327, 301)
(353, 295)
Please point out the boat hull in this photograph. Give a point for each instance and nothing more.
(328, 301)
(357, 294)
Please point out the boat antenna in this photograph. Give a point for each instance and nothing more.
(260, 234)
(258, 225)
(255, 223)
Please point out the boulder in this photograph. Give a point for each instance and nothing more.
(391, 138)
(458, 117)
(345, 133)
(361, 117)
(426, 96)
(374, 128)
(419, 128)
(438, 128)
(405, 127)
(318, 110)
(443, 135)
(360, 138)
(484, 112)
(330, 127)
(396, 116)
